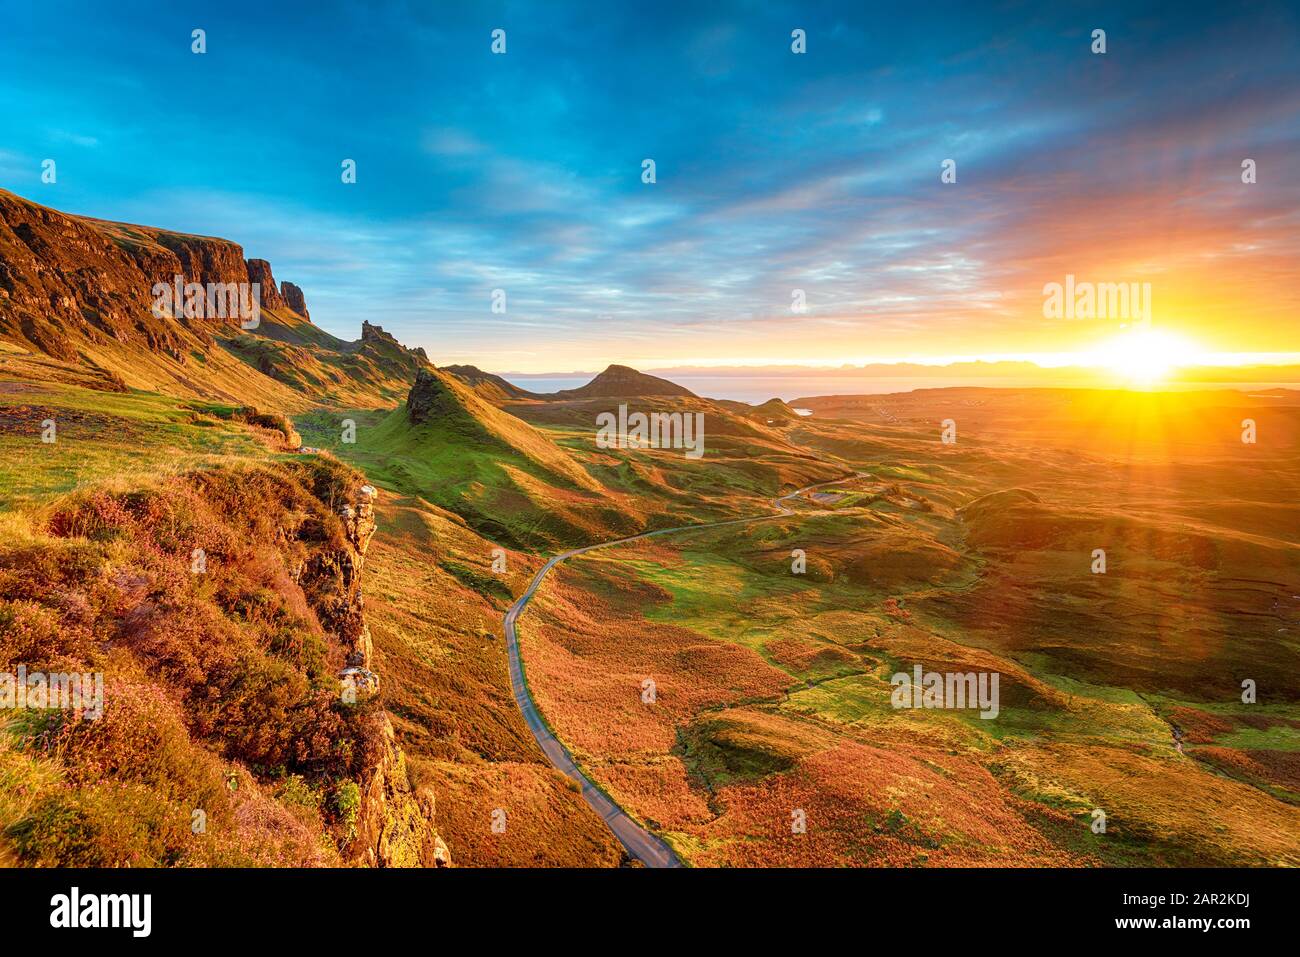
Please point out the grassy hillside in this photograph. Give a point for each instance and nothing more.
(773, 694)
(435, 608)
(1120, 691)
(124, 435)
(221, 688)
(220, 693)
(531, 474)
(130, 441)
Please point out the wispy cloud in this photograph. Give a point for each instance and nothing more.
(76, 139)
(775, 171)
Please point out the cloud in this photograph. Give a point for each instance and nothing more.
(76, 139)
(775, 171)
(448, 142)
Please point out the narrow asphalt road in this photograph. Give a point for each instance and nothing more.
(640, 843)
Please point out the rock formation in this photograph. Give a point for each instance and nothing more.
(294, 299)
(69, 278)
(373, 333)
(427, 395)
(259, 271)
(395, 822)
(332, 579)
(65, 280)
(99, 298)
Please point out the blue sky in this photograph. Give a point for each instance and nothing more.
(775, 171)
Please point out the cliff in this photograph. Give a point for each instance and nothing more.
(121, 305)
(259, 271)
(294, 299)
(395, 822)
(224, 610)
(66, 279)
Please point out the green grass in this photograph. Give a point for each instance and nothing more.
(100, 435)
(722, 752)
(450, 462)
(1276, 738)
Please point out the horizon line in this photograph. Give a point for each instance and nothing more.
(1045, 362)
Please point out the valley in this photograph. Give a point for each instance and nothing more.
(361, 609)
(768, 681)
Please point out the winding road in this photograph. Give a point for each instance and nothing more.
(641, 845)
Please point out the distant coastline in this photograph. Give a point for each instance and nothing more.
(756, 389)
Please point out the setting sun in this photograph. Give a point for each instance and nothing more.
(1145, 356)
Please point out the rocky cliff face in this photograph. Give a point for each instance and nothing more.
(375, 337)
(333, 578)
(259, 271)
(81, 292)
(65, 278)
(71, 286)
(294, 299)
(62, 280)
(395, 825)
(200, 259)
(395, 822)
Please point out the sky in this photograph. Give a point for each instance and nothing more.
(775, 171)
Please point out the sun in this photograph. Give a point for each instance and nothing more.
(1145, 356)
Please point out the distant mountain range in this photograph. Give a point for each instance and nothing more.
(963, 371)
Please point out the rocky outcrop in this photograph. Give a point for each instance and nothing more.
(395, 824)
(294, 299)
(259, 271)
(69, 279)
(373, 333)
(359, 525)
(332, 581)
(384, 349)
(81, 291)
(202, 260)
(63, 281)
(426, 397)
(395, 821)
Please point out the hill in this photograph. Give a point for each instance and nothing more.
(623, 381)
(96, 573)
(488, 385)
(92, 301)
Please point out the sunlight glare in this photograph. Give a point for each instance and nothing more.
(1145, 356)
